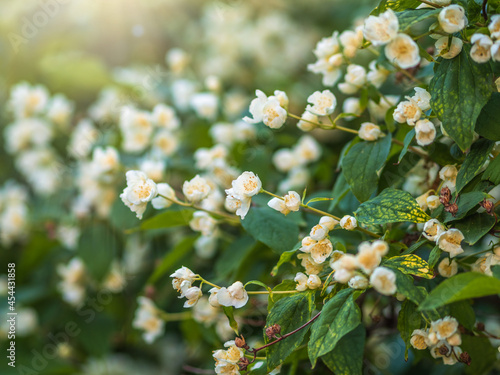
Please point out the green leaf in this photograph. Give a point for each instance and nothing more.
(290, 313)
(409, 319)
(464, 313)
(340, 190)
(167, 219)
(410, 17)
(97, 247)
(339, 316)
(405, 286)
(475, 227)
(284, 258)
(483, 354)
(474, 161)
(434, 256)
(172, 258)
(489, 118)
(259, 283)
(415, 246)
(459, 90)
(319, 199)
(271, 228)
(465, 202)
(286, 285)
(496, 271)
(410, 264)
(408, 138)
(492, 172)
(361, 164)
(347, 357)
(459, 287)
(395, 5)
(391, 206)
(229, 311)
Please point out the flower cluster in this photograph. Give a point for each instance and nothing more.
(448, 240)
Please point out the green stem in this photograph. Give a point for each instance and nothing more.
(303, 119)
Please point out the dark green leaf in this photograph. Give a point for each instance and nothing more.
(492, 172)
(464, 313)
(361, 164)
(474, 161)
(347, 357)
(410, 17)
(172, 258)
(405, 286)
(489, 118)
(290, 313)
(339, 316)
(408, 138)
(409, 319)
(271, 228)
(496, 271)
(410, 264)
(483, 355)
(434, 256)
(233, 256)
(340, 190)
(465, 202)
(415, 247)
(97, 247)
(284, 258)
(391, 206)
(459, 90)
(475, 227)
(459, 287)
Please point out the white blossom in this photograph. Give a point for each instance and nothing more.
(139, 191)
(452, 18)
(403, 51)
(381, 29)
(321, 103)
(384, 281)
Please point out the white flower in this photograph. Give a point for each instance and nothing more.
(164, 190)
(196, 189)
(105, 160)
(26, 100)
(318, 232)
(351, 105)
(273, 115)
(59, 110)
(447, 51)
(433, 229)
(494, 26)
(292, 201)
(181, 275)
(281, 97)
(307, 150)
(247, 184)
(26, 133)
(403, 51)
(205, 104)
(321, 103)
(165, 142)
(433, 202)
(329, 60)
(418, 339)
(445, 327)
(192, 295)
(203, 222)
(348, 222)
(369, 131)
(226, 361)
(358, 282)
(355, 78)
(379, 110)
(206, 246)
(351, 41)
(367, 258)
(305, 282)
(481, 48)
(321, 250)
(449, 175)
(307, 244)
(284, 160)
(407, 111)
(164, 117)
(448, 268)
(450, 241)
(452, 19)
(115, 280)
(422, 98)
(384, 281)
(425, 132)
(139, 191)
(177, 59)
(311, 267)
(212, 299)
(381, 29)
(377, 74)
(328, 221)
(147, 319)
(306, 122)
(235, 295)
(313, 282)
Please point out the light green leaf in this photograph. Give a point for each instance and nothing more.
(464, 313)
(459, 90)
(475, 227)
(408, 138)
(347, 357)
(284, 258)
(259, 283)
(167, 219)
(474, 161)
(434, 256)
(492, 172)
(172, 258)
(409, 319)
(496, 271)
(459, 287)
(290, 313)
(361, 164)
(97, 247)
(395, 5)
(229, 311)
(489, 118)
(339, 316)
(319, 199)
(410, 17)
(391, 206)
(410, 264)
(483, 354)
